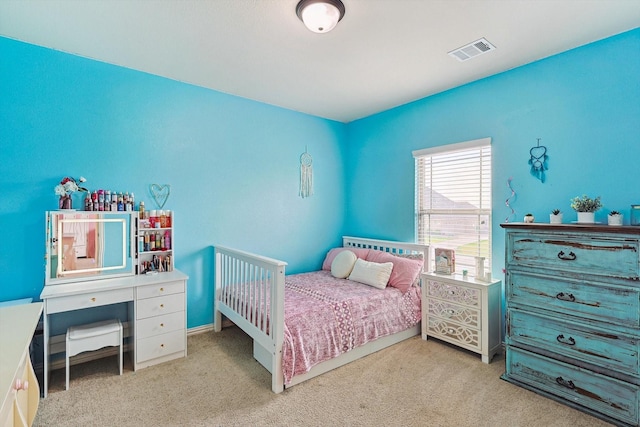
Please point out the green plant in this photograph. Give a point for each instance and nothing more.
(586, 204)
(528, 214)
(556, 212)
(613, 213)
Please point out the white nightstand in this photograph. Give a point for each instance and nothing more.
(464, 312)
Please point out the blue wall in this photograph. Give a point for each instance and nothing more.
(584, 104)
(232, 163)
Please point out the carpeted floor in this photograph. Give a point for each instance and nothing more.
(414, 383)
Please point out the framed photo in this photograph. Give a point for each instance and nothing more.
(445, 260)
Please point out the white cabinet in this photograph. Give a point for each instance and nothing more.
(463, 312)
(160, 322)
(19, 387)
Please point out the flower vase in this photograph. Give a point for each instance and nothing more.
(555, 218)
(65, 202)
(614, 219)
(586, 217)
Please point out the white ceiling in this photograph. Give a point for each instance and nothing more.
(382, 54)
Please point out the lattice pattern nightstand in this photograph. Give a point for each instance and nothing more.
(464, 312)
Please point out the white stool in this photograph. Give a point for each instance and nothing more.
(93, 336)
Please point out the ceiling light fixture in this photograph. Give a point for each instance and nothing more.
(320, 16)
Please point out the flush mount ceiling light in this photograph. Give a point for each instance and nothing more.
(320, 16)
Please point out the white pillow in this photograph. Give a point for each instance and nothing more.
(371, 273)
(342, 264)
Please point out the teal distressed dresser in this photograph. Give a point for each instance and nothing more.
(573, 315)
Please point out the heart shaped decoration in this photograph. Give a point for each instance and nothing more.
(160, 194)
(538, 152)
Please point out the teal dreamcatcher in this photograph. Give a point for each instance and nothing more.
(539, 161)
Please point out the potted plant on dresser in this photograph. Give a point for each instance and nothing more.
(555, 217)
(586, 207)
(614, 218)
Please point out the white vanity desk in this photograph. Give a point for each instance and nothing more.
(156, 314)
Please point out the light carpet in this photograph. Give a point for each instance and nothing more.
(414, 383)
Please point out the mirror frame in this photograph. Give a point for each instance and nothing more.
(55, 221)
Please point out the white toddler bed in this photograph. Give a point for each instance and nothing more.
(250, 291)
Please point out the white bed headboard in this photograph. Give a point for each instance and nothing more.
(392, 247)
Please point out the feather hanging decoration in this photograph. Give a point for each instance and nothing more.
(306, 175)
(539, 161)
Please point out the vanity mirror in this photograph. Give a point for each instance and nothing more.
(84, 246)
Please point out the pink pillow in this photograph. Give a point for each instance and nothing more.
(360, 253)
(405, 270)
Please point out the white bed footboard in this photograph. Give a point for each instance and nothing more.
(250, 292)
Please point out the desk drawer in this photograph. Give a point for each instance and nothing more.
(160, 305)
(160, 324)
(609, 350)
(582, 255)
(160, 289)
(595, 301)
(609, 396)
(160, 345)
(454, 293)
(89, 299)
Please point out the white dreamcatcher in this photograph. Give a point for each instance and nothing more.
(306, 174)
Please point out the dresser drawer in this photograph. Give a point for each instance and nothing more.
(583, 255)
(455, 333)
(160, 345)
(160, 305)
(606, 349)
(160, 324)
(454, 293)
(156, 290)
(88, 299)
(458, 313)
(606, 303)
(609, 396)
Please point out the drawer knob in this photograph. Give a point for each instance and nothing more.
(161, 305)
(565, 257)
(568, 341)
(566, 297)
(21, 385)
(161, 289)
(564, 383)
(93, 299)
(162, 325)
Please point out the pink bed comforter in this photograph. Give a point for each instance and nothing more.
(325, 317)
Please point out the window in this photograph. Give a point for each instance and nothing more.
(453, 201)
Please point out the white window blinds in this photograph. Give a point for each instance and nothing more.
(453, 200)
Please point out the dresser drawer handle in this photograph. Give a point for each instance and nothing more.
(565, 383)
(564, 257)
(561, 339)
(564, 297)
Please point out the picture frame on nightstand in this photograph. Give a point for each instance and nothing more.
(445, 260)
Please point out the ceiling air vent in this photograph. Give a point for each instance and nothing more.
(471, 50)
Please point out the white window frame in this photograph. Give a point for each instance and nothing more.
(445, 226)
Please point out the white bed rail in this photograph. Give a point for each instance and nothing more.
(250, 292)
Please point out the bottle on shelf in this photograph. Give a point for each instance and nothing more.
(141, 210)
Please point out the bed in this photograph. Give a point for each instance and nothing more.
(329, 318)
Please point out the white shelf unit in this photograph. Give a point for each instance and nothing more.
(154, 248)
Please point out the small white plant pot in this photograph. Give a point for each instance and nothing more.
(529, 219)
(586, 217)
(555, 219)
(614, 219)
